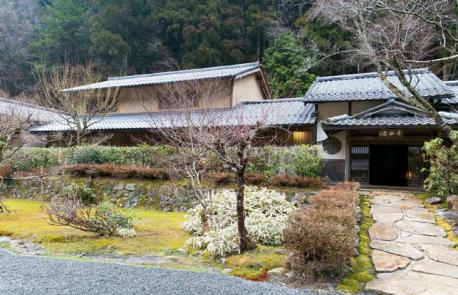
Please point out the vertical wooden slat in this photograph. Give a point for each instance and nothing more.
(359, 164)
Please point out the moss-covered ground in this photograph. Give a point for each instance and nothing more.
(362, 269)
(158, 234)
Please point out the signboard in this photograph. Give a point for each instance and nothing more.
(390, 133)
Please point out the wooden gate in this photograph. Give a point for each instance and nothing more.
(359, 164)
(415, 175)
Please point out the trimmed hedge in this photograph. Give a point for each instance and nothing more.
(303, 161)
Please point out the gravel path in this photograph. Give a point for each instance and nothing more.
(38, 275)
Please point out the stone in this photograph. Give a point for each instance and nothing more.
(383, 231)
(387, 262)
(436, 268)
(452, 200)
(387, 218)
(130, 187)
(433, 200)
(408, 282)
(383, 209)
(400, 249)
(275, 272)
(420, 216)
(149, 260)
(450, 215)
(429, 240)
(441, 254)
(420, 228)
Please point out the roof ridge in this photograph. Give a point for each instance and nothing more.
(367, 75)
(216, 68)
(451, 83)
(275, 100)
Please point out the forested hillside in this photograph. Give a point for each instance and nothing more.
(141, 36)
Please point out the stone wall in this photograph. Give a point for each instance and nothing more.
(160, 195)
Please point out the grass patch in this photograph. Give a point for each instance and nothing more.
(362, 269)
(157, 232)
(254, 265)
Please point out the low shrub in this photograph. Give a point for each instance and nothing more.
(266, 213)
(34, 158)
(321, 237)
(6, 170)
(83, 192)
(298, 181)
(105, 219)
(255, 178)
(221, 178)
(117, 171)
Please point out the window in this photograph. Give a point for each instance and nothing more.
(301, 137)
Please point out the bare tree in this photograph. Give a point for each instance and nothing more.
(81, 109)
(200, 130)
(398, 36)
(11, 141)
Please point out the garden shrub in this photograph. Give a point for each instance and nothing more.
(298, 181)
(321, 237)
(266, 214)
(83, 192)
(255, 178)
(67, 209)
(442, 179)
(117, 171)
(221, 178)
(34, 158)
(5, 170)
(346, 186)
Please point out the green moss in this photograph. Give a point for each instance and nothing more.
(362, 269)
(157, 232)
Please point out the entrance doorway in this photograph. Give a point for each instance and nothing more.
(388, 165)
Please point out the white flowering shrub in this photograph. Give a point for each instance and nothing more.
(266, 214)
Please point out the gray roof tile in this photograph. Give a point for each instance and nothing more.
(453, 85)
(369, 86)
(389, 114)
(27, 110)
(281, 112)
(175, 76)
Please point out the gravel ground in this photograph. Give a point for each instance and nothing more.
(38, 275)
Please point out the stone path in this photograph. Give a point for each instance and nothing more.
(410, 252)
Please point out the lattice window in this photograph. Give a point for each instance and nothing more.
(359, 164)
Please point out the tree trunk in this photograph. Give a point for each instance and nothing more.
(245, 242)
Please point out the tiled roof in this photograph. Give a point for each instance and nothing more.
(175, 76)
(389, 114)
(282, 112)
(453, 85)
(27, 110)
(369, 86)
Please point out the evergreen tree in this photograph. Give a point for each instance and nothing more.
(62, 33)
(286, 62)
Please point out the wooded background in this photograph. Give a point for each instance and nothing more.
(143, 36)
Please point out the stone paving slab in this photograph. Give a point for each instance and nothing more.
(428, 240)
(419, 260)
(400, 249)
(383, 231)
(386, 262)
(441, 254)
(420, 228)
(407, 282)
(436, 268)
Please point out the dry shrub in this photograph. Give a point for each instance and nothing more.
(347, 186)
(117, 171)
(68, 210)
(321, 237)
(255, 178)
(297, 181)
(221, 178)
(6, 170)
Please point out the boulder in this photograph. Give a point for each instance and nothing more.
(433, 200)
(452, 201)
(387, 262)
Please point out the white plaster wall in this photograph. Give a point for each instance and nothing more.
(247, 89)
(327, 110)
